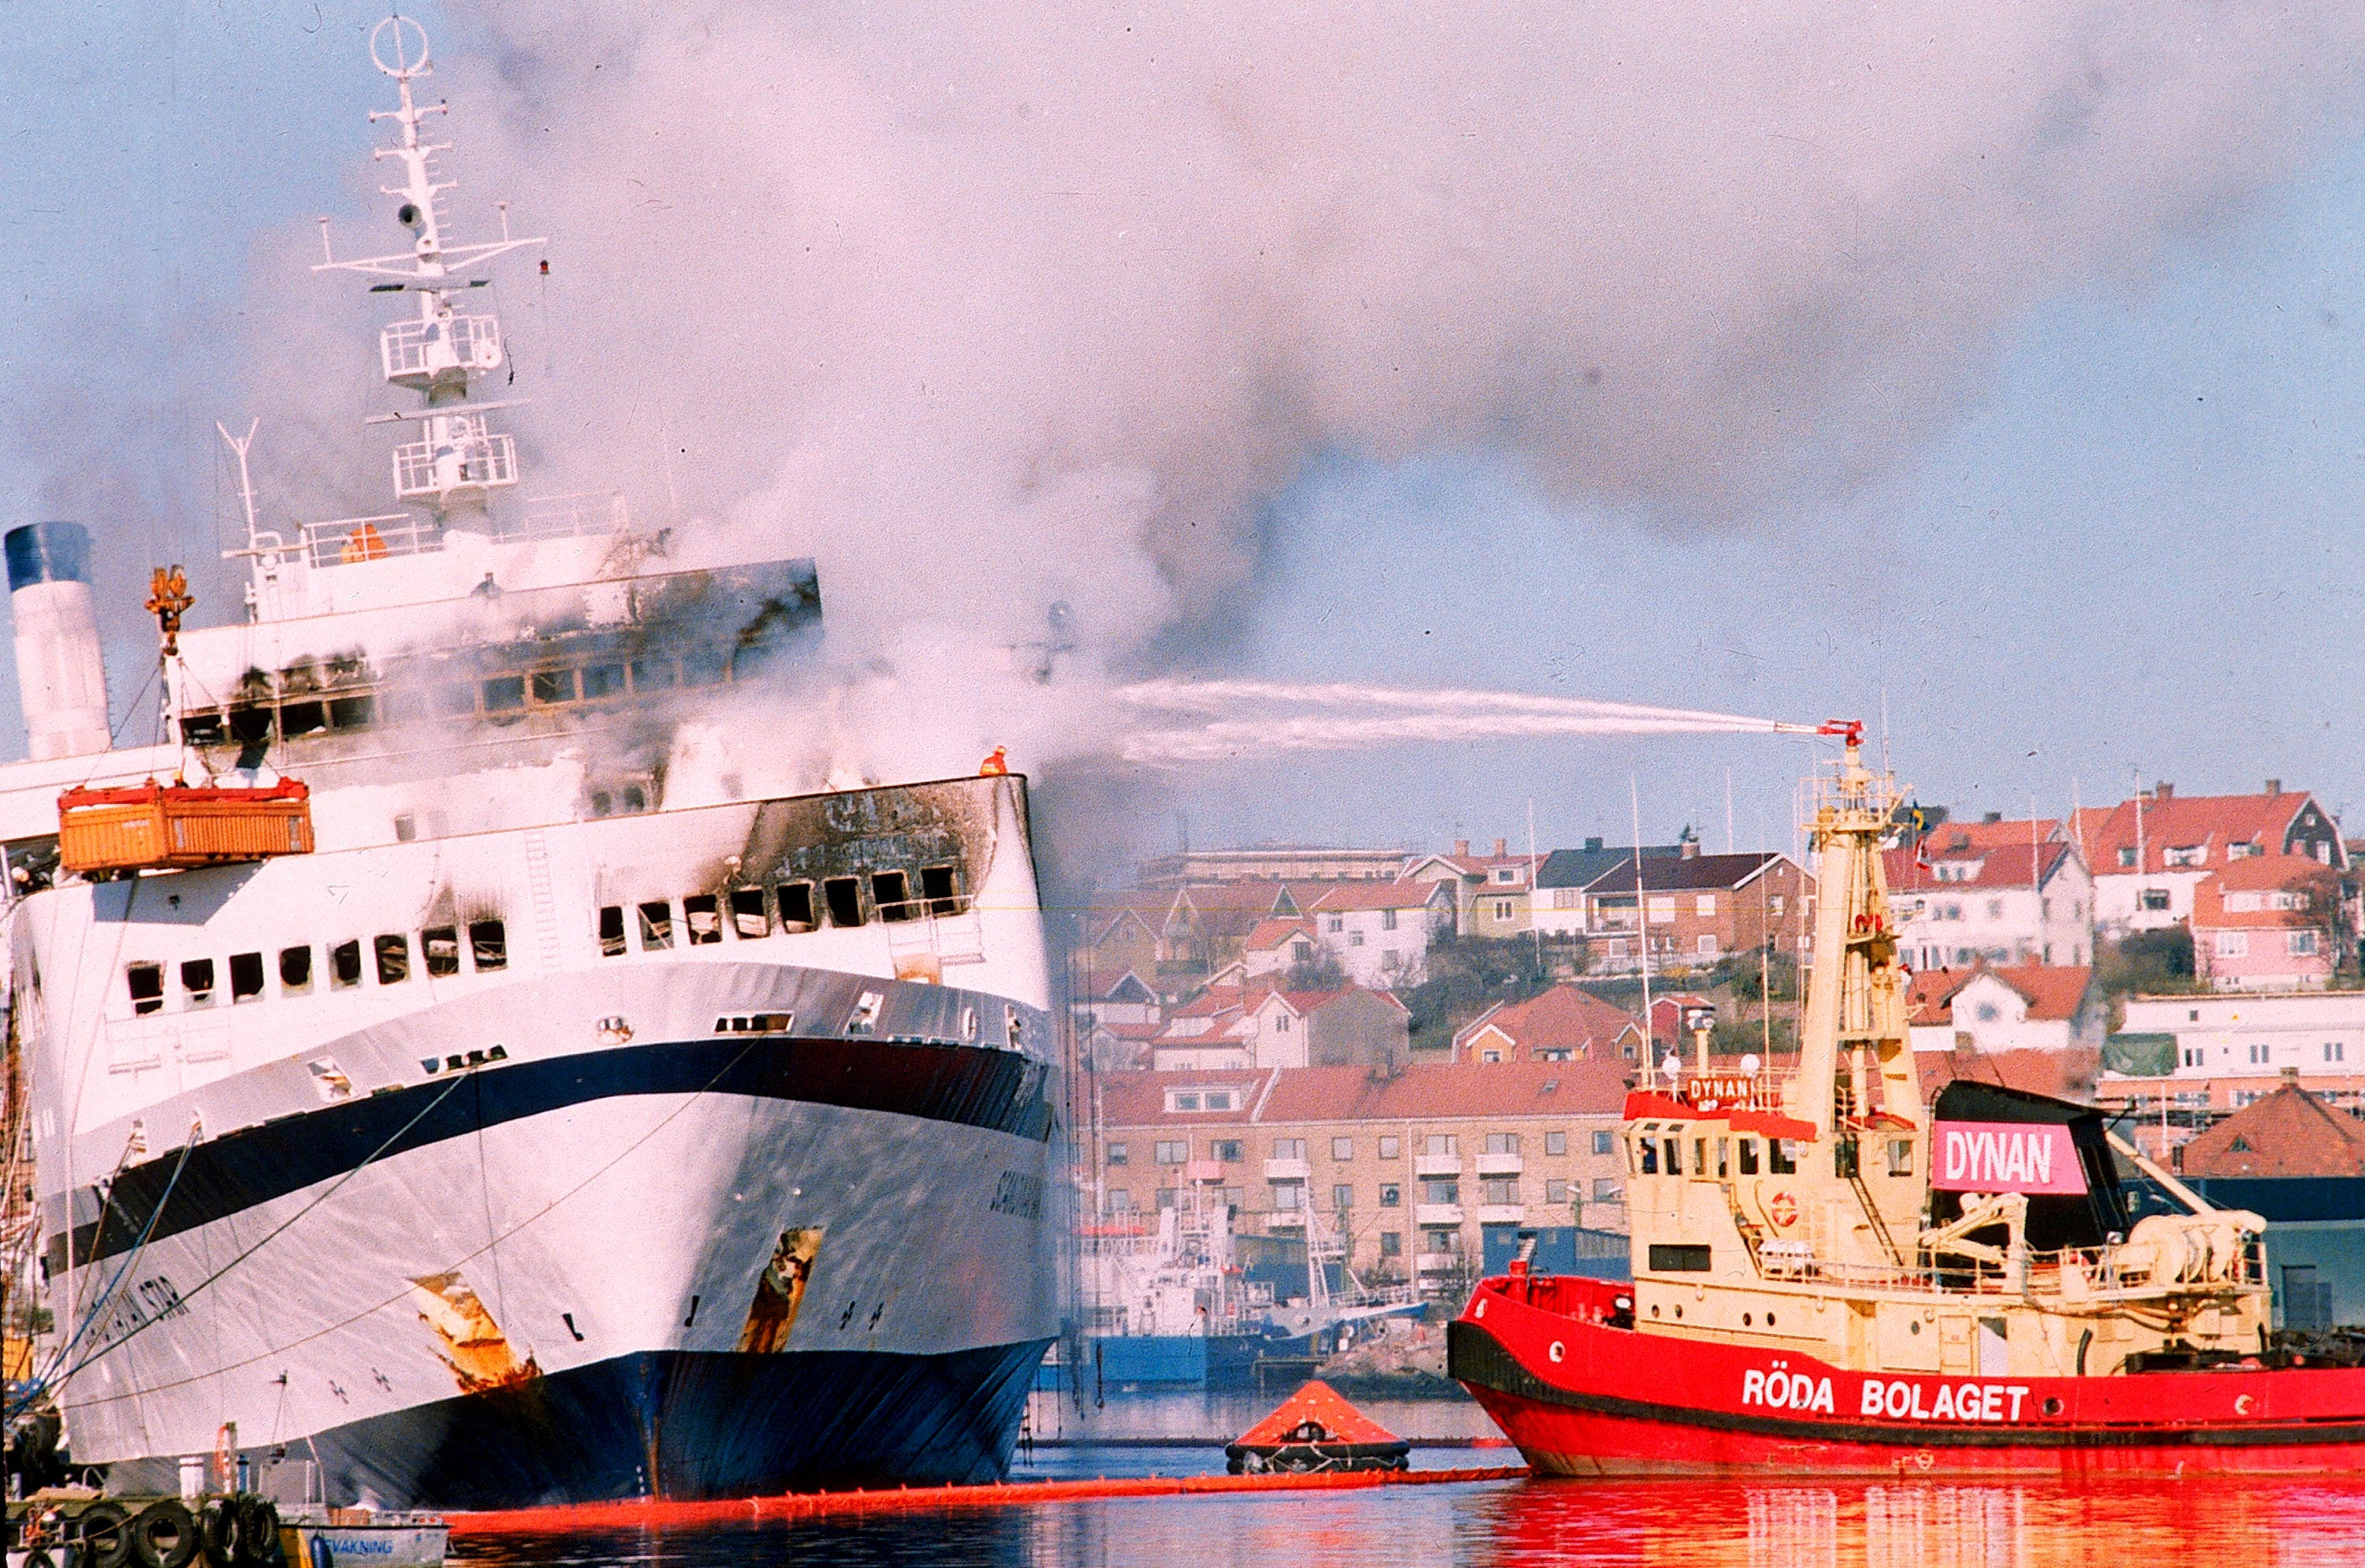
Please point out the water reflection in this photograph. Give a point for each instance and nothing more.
(1530, 1524)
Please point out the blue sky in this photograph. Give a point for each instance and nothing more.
(2131, 550)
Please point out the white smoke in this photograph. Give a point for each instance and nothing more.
(996, 306)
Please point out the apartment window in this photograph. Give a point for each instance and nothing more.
(1995, 909)
(1219, 1099)
(1501, 1190)
(1390, 1149)
(1605, 1142)
(439, 946)
(2334, 1050)
(393, 952)
(2127, 859)
(2155, 898)
(1387, 920)
(1555, 1143)
(1342, 1149)
(1441, 1243)
(245, 977)
(1705, 947)
(294, 970)
(1442, 1146)
(1502, 1143)
(1555, 1192)
(1605, 1190)
(1502, 909)
(1441, 1192)
(1706, 905)
(2260, 1055)
(1342, 1197)
(1172, 1152)
(2192, 1056)
(146, 984)
(345, 966)
(1390, 1244)
(1288, 1197)
(1186, 1103)
(1773, 906)
(1116, 1155)
(1226, 1151)
(489, 945)
(1119, 1202)
(656, 926)
(2233, 943)
(1355, 939)
(1391, 1195)
(1289, 1148)
(1336, 924)
(2302, 943)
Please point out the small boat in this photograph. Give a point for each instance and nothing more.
(1833, 1277)
(1315, 1430)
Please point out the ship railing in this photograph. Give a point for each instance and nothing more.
(571, 516)
(2069, 1273)
(350, 539)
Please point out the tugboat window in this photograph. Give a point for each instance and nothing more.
(1781, 1157)
(393, 960)
(294, 970)
(489, 941)
(345, 966)
(147, 985)
(1900, 1157)
(1749, 1157)
(245, 977)
(197, 981)
(844, 895)
(504, 694)
(1674, 1156)
(1650, 1148)
(554, 686)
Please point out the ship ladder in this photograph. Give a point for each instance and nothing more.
(1872, 1211)
(1752, 1232)
(546, 906)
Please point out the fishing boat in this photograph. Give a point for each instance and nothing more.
(1831, 1277)
(497, 1046)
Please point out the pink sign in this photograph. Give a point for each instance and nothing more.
(2004, 1157)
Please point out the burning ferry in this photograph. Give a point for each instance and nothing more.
(542, 1100)
(1832, 1277)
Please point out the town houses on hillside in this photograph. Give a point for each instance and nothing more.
(1993, 892)
(1562, 1024)
(1691, 908)
(2267, 922)
(1490, 892)
(2150, 852)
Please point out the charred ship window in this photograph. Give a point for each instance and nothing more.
(345, 966)
(887, 893)
(938, 886)
(612, 930)
(796, 906)
(440, 946)
(245, 977)
(294, 970)
(700, 921)
(844, 895)
(393, 958)
(602, 681)
(489, 941)
(653, 675)
(146, 984)
(704, 667)
(197, 983)
(554, 686)
(656, 926)
(748, 917)
(353, 712)
(504, 694)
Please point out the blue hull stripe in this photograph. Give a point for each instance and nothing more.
(965, 1085)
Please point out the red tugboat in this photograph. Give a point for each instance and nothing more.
(1830, 1279)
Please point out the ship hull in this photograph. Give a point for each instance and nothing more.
(1584, 1398)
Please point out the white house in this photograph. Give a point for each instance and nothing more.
(1277, 946)
(1993, 892)
(2020, 1008)
(2228, 1035)
(1380, 932)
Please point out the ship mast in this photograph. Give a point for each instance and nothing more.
(457, 460)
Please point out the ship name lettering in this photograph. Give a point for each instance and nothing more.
(1779, 1390)
(1953, 1402)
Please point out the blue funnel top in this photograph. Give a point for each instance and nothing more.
(47, 552)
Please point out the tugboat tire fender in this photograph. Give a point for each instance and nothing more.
(164, 1535)
(258, 1534)
(104, 1531)
(219, 1529)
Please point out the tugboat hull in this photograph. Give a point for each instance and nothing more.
(1584, 1398)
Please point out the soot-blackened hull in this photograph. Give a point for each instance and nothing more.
(683, 1424)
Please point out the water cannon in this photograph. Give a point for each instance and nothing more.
(1849, 730)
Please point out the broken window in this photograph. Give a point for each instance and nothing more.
(203, 728)
(939, 888)
(700, 917)
(245, 977)
(602, 681)
(250, 724)
(887, 892)
(488, 943)
(147, 985)
(197, 981)
(747, 916)
(844, 895)
(504, 694)
(796, 906)
(345, 965)
(656, 926)
(393, 958)
(303, 718)
(612, 930)
(653, 675)
(554, 686)
(353, 712)
(635, 799)
(294, 970)
(439, 945)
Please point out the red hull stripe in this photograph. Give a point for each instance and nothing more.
(1482, 1362)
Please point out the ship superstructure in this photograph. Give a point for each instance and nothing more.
(617, 1098)
(1831, 1275)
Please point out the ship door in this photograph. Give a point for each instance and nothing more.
(1995, 1347)
(1954, 1345)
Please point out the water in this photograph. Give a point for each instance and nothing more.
(1513, 1524)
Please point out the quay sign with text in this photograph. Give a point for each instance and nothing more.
(2004, 1157)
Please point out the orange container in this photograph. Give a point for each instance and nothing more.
(157, 825)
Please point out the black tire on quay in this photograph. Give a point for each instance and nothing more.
(219, 1529)
(104, 1531)
(258, 1534)
(40, 1558)
(164, 1535)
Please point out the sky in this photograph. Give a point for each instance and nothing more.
(2045, 471)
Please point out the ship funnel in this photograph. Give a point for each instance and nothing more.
(61, 678)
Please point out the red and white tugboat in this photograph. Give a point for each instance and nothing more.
(1830, 1278)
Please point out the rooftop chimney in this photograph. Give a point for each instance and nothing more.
(1691, 848)
(2274, 786)
(1462, 846)
(1502, 848)
(1593, 847)
(59, 677)
(2163, 791)
(1991, 817)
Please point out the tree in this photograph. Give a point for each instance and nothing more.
(1467, 975)
(2145, 961)
(1321, 972)
(2323, 902)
